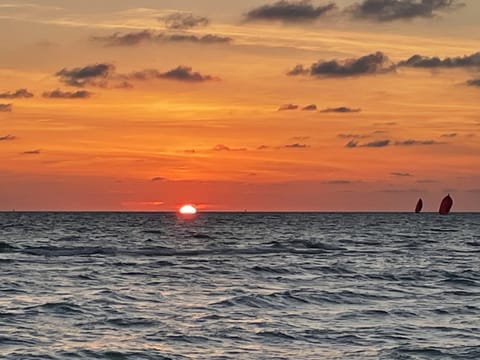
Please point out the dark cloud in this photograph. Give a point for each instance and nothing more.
(352, 136)
(391, 10)
(146, 36)
(32, 152)
(5, 107)
(20, 93)
(158, 178)
(400, 174)
(296, 146)
(205, 39)
(285, 107)
(289, 11)
(411, 142)
(338, 182)
(263, 147)
(351, 144)
(221, 147)
(183, 21)
(180, 73)
(376, 63)
(420, 61)
(93, 75)
(7, 138)
(59, 94)
(311, 107)
(451, 135)
(377, 143)
(341, 109)
(473, 82)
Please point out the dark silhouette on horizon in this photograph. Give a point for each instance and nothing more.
(419, 206)
(446, 205)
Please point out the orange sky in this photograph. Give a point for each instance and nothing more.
(182, 105)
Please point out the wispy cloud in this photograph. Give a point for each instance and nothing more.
(391, 10)
(19, 94)
(338, 182)
(183, 21)
(32, 152)
(7, 138)
(221, 147)
(376, 63)
(59, 94)
(400, 174)
(311, 107)
(289, 11)
(147, 36)
(388, 142)
(285, 107)
(450, 135)
(158, 178)
(411, 142)
(296, 146)
(5, 107)
(341, 109)
(473, 82)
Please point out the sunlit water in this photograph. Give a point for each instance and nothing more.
(239, 286)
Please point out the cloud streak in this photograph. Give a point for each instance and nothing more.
(180, 73)
(146, 36)
(7, 138)
(289, 11)
(419, 61)
(341, 109)
(387, 142)
(184, 21)
(376, 63)
(59, 94)
(392, 10)
(286, 107)
(19, 94)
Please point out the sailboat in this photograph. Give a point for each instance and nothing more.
(419, 206)
(446, 205)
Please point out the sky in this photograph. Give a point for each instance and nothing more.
(337, 105)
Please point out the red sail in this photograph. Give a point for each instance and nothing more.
(419, 206)
(446, 205)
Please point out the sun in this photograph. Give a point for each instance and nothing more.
(188, 210)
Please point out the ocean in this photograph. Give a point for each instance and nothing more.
(239, 286)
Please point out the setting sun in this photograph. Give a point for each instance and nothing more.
(188, 210)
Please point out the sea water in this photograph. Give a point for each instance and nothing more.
(239, 286)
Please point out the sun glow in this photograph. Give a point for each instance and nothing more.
(188, 210)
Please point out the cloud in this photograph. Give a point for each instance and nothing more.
(180, 73)
(183, 21)
(377, 63)
(338, 182)
(93, 75)
(146, 36)
(352, 136)
(419, 61)
(391, 10)
(285, 107)
(289, 11)
(19, 94)
(351, 144)
(411, 142)
(158, 178)
(59, 94)
(296, 146)
(451, 135)
(377, 143)
(221, 147)
(7, 138)
(341, 109)
(473, 82)
(5, 107)
(263, 147)
(311, 107)
(32, 152)
(400, 174)
(427, 181)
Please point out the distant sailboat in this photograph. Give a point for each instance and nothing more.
(446, 205)
(419, 206)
